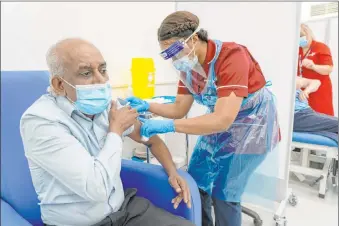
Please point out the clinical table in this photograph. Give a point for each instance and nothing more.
(308, 142)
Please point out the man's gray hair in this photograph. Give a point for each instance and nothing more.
(55, 57)
(54, 62)
(55, 65)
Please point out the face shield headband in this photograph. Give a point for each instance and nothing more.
(176, 47)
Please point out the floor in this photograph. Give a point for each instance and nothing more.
(310, 210)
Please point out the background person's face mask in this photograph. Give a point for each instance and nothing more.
(303, 41)
(92, 99)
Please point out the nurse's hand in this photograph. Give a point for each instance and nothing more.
(308, 64)
(181, 187)
(138, 104)
(151, 127)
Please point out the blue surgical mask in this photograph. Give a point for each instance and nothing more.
(185, 64)
(92, 99)
(303, 41)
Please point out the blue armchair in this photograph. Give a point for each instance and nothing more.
(19, 203)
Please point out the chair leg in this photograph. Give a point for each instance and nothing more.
(325, 174)
(334, 172)
(256, 218)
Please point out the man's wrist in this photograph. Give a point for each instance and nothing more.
(172, 172)
(116, 130)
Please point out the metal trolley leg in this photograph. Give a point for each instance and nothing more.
(256, 218)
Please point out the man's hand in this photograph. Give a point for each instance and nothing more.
(121, 119)
(181, 187)
(303, 96)
(308, 64)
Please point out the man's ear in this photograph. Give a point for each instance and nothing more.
(57, 86)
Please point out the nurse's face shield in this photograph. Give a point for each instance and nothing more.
(186, 64)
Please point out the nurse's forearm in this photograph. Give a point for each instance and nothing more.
(323, 69)
(203, 125)
(171, 111)
(177, 110)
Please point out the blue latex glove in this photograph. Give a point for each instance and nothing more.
(151, 127)
(138, 104)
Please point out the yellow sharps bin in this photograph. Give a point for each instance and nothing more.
(143, 75)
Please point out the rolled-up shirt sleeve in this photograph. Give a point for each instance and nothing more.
(233, 74)
(51, 146)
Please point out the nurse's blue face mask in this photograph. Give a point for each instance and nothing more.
(185, 64)
(303, 41)
(92, 99)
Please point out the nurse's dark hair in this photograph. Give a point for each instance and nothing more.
(180, 24)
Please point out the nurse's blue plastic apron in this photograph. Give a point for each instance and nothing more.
(222, 163)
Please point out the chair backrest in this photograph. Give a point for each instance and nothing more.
(19, 89)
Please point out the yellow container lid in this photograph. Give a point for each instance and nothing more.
(143, 64)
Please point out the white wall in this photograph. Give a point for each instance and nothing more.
(270, 31)
(120, 30)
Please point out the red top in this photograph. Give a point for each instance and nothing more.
(236, 70)
(322, 100)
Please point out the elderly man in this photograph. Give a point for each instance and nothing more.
(73, 142)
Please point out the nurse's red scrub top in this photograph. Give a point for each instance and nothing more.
(322, 100)
(236, 69)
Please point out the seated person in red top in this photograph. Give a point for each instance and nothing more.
(315, 62)
(238, 130)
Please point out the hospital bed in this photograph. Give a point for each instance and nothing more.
(328, 150)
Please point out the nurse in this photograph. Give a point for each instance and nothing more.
(240, 126)
(315, 62)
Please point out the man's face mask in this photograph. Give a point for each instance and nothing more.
(303, 41)
(92, 99)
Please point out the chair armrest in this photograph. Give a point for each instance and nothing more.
(9, 217)
(152, 184)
